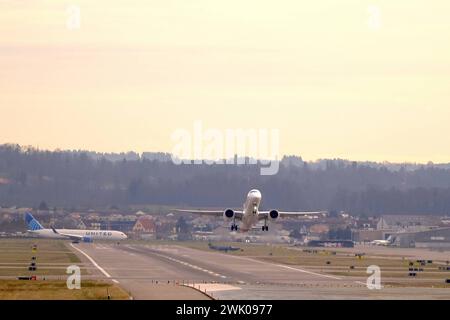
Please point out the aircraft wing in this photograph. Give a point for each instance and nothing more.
(211, 213)
(291, 214)
(67, 235)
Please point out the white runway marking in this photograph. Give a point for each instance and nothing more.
(191, 265)
(213, 287)
(309, 272)
(287, 267)
(94, 263)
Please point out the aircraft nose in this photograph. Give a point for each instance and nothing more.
(256, 194)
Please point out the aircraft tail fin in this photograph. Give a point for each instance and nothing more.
(32, 223)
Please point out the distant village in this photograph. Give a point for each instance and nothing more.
(332, 229)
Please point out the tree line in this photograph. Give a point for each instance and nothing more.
(75, 179)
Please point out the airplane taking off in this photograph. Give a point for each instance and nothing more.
(250, 215)
(73, 234)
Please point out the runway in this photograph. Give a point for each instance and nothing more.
(139, 268)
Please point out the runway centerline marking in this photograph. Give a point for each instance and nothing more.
(283, 266)
(189, 265)
(94, 263)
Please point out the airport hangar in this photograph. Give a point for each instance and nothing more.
(433, 238)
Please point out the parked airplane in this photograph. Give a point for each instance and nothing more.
(73, 234)
(223, 248)
(250, 215)
(386, 242)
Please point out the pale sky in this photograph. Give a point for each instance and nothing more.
(355, 79)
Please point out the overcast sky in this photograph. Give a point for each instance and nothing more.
(357, 79)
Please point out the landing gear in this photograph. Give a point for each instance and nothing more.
(234, 226)
(265, 227)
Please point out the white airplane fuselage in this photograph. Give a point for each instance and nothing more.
(380, 242)
(251, 210)
(92, 234)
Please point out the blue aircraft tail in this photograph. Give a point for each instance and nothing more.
(33, 224)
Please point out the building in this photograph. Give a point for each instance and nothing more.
(435, 238)
(144, 225)
(115, 217)
(93, 216)
(319, 229)
(75, 215)
(363, 223)
(405, 223)
(124, 226)
(331, 243)
(368, 235)
(96, 226)
(81, 224)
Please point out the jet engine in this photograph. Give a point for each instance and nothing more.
(228, 214)
(273, 214)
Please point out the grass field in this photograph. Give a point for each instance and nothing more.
(52, 259)
(57, 290)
